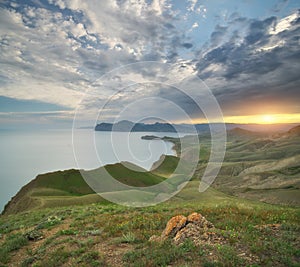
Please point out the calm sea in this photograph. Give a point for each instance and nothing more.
(25, 154)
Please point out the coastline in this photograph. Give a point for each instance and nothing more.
(13, 197)
(173, 140)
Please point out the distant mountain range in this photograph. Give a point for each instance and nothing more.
(129, 126)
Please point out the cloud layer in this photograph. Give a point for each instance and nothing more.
(55, 51)
(256, 65)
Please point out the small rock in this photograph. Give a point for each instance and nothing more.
(190, 231)
(194, 217)
(34, 235)
(197, 218)
(194, 227)
(174, 225)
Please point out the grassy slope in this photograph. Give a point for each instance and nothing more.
(111, 235)
(257, 166)
(266, 170)
(98, 233)
(262, 167)
(165, 166)
(63, 188)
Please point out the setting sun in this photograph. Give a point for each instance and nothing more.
(263, 118)
(268, 119)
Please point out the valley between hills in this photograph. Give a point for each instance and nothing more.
(58, 220)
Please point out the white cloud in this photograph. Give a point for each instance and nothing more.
(131, 24)
(201, 10)
(59, 3)
(55, 56)
(158, 6)
(270, 47)
(284, 24)
(194, 26)
(192, 4)
(77, 30)
(252, 64)
(42, 91)
(52, 57)
(35, 59)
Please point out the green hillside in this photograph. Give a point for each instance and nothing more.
(63, 188)
(104, 234)
(165, 166)
(133, 175)
(69, 181)
(265, 168)
(57, 219)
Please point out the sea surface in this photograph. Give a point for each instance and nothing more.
(26, 153)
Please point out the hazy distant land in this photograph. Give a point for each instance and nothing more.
(129, 126)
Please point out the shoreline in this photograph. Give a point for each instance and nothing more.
(2, 208)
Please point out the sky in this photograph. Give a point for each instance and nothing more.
(106, 60)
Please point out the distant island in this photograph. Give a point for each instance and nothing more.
(150, 137)
(129, 126)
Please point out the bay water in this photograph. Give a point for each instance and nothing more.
(26, 153)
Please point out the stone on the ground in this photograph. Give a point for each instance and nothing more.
(194, 227)
(174, 225)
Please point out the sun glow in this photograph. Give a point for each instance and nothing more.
(252, 119)
(268, 119)
(264, 118)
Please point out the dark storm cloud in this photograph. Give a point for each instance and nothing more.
(262, 61)
(244, 57)
(187, 45)
(217, 36)
(258, 31)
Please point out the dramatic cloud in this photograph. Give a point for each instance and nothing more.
(54, 51)
(66, 45)
(260, 62)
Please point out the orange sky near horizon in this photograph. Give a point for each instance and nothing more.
(258, 119)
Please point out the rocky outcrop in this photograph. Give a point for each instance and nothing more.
(175, 224)
(194, 227)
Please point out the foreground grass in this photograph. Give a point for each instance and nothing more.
(111, 235)
(55, 232)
